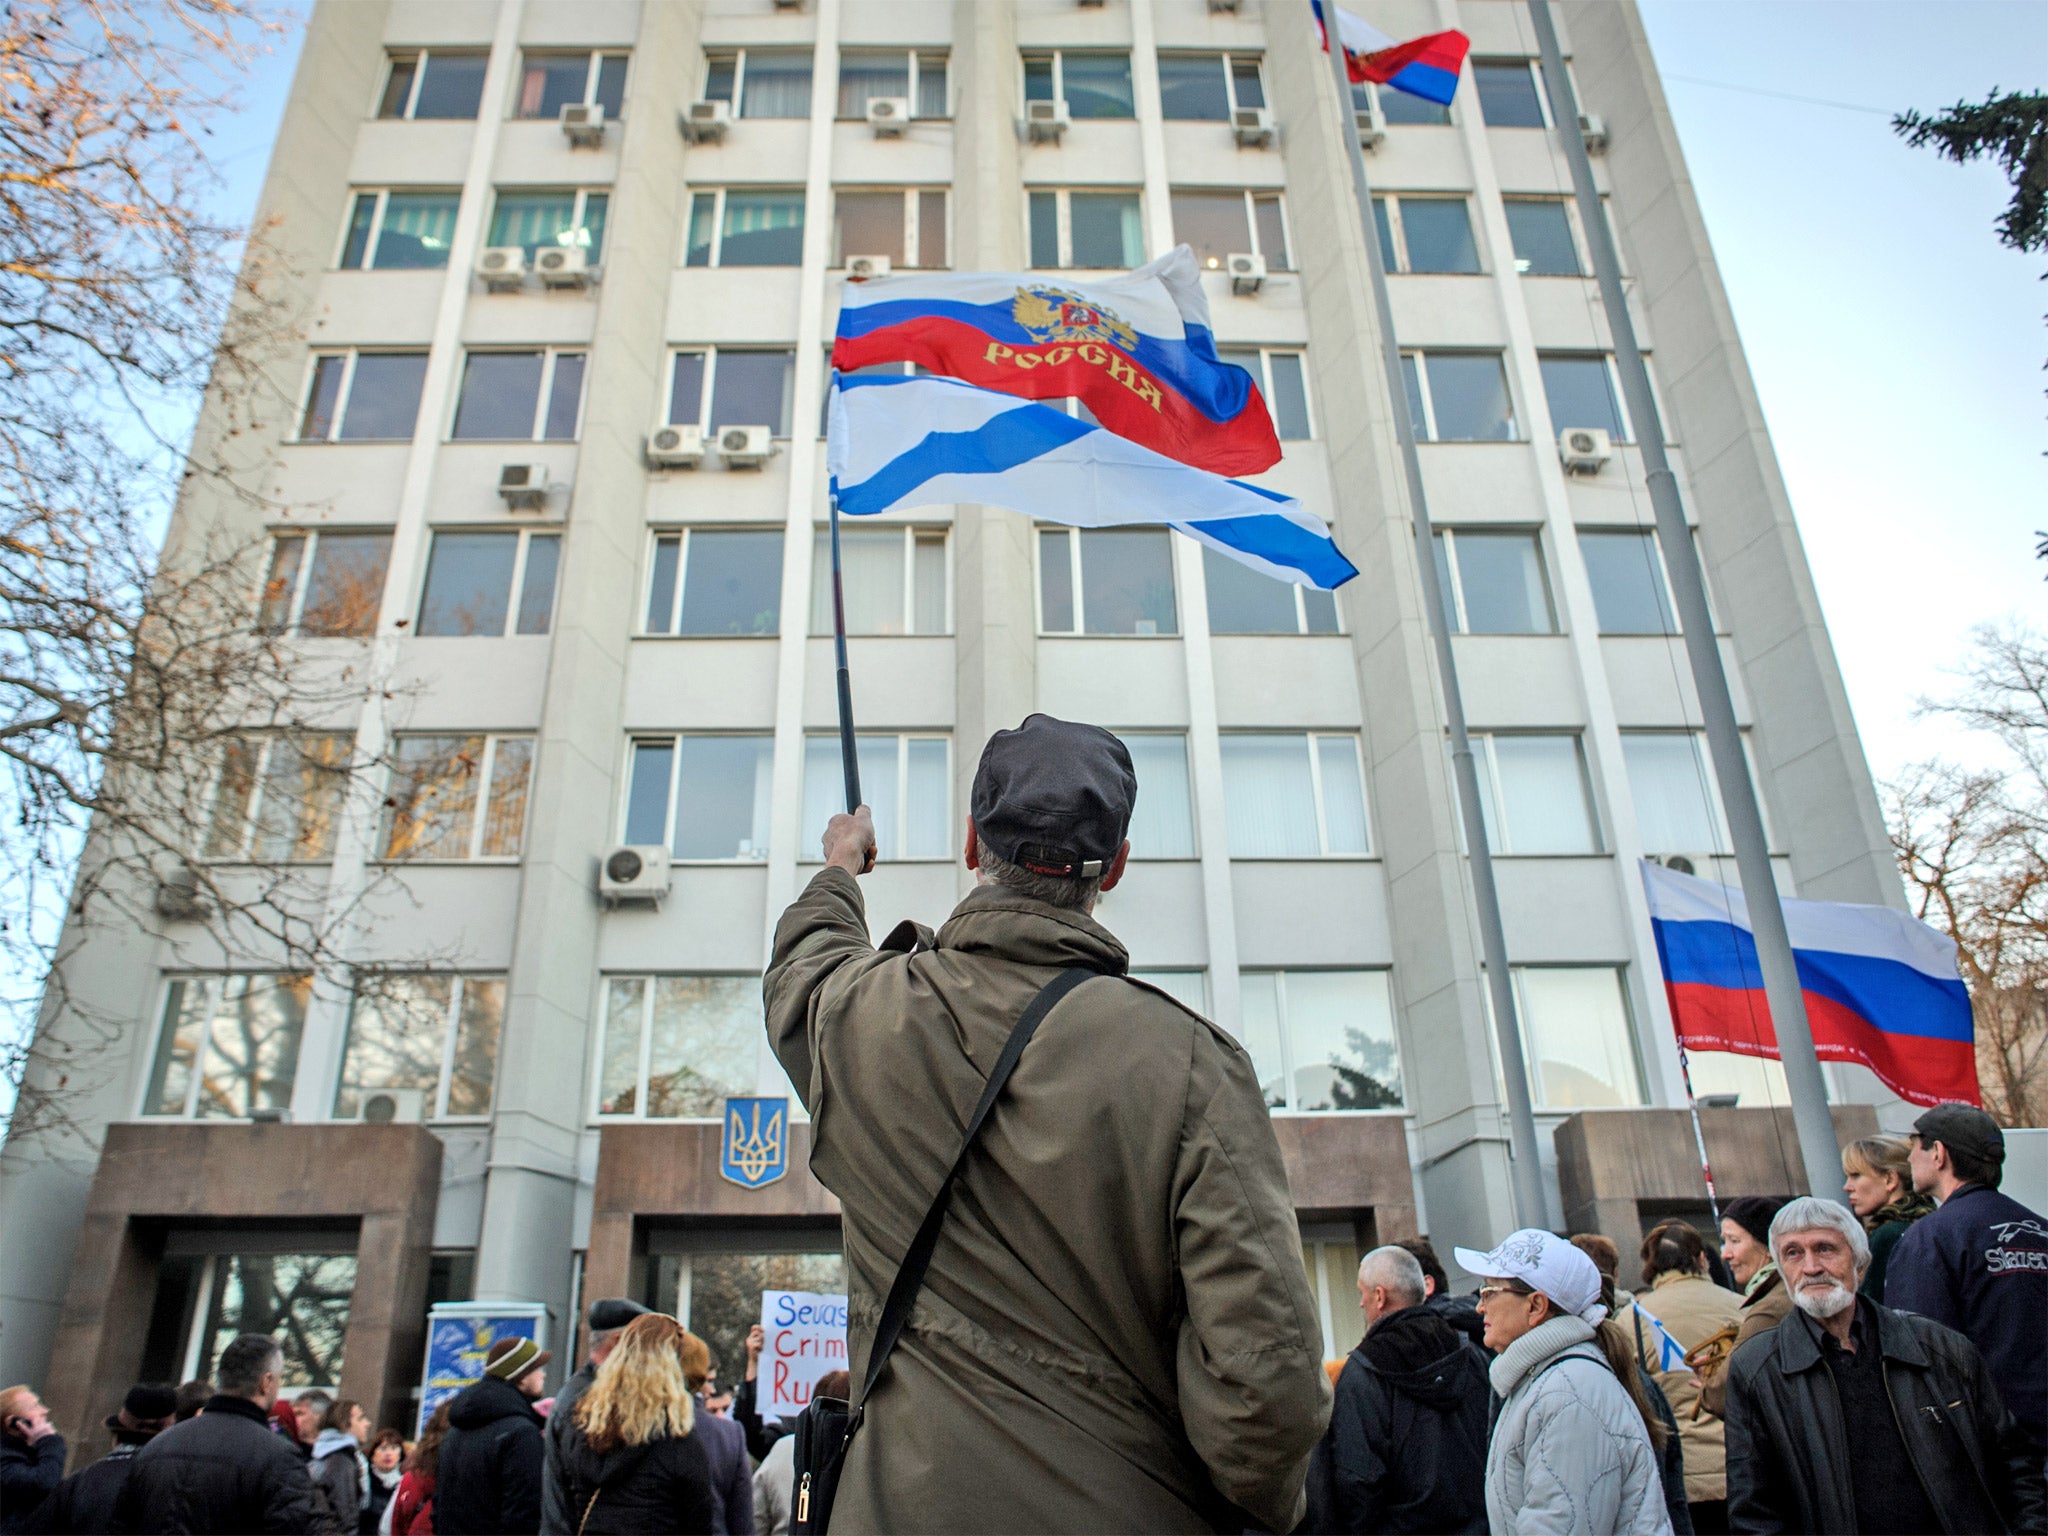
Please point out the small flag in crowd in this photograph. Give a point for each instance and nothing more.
(1136, 349)
(1423, 66)
(1670, 1357)
(897, 442)
(1880, 988)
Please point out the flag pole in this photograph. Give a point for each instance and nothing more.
(1818, 1149)
(1525, 1159)
(849, 762)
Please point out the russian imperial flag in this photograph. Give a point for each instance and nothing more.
(1880, 988)
(1422, 66)
(1136, 349)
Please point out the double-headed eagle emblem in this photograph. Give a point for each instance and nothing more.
(1054, 315)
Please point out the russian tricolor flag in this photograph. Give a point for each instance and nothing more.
(1880, 988)
(1423, 66)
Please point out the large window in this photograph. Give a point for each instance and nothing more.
(1208, 87)
(1283, 380)
(278, 796)
(746, 227)
(213, 1285)
(717, 387)
(421, 1047)
(1425, 234)
(1626, 570)
(904, 779)
(894, 580)
(472, 579)
(1293, 796)
(1510, 93)
(549, 82)
(1581, 393)
(327, 582)
(1576, 1035)
(392, 230)
(433, 84)
(761, 82)
(1091, 84)
(520, 397)
(868, 74)
(456, 797)
(1492, 582)
(907, 226)
(1458, 397)
(1323, 1039)
(1541, 230)
(1398, 106)
(1243, 601)
(1533, 795)
(1678, 801)
(676, 1047)
(705, 796)
(363, 397)
(1219, 225)
(1085, 229)
(1106, 581)
(229, 1046)
(536, 221)
(715, 581)
(1163, 820)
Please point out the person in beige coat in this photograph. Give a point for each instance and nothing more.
(1116, 1332)
(1693, 1310)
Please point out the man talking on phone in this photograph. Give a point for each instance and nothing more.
(31, 1456)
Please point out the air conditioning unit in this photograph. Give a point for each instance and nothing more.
(524, 486)
(178, 899)
(1584, 449)
(395, 1106)
(1372, 127)
(583, 122)
(789, 5)
(889, 115)
(705, 122)
(502, 267)
(1593, 129)
(1247, 272)
(1223, 7)
(1090, 5)
(634, 872)
(1677, 863)
(675, 446)
(563, 266)
(1253, 127)
(745, 447)
(1046, 120)
(860, 268)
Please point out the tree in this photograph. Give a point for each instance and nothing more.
(2013, 130)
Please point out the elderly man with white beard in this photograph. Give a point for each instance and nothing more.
(1850, 1417)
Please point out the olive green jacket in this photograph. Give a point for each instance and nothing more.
(1116, 1332)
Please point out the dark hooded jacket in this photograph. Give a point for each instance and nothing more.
(662, 1488)
(1406, 1446)
(1462, 1313)
(84, 1502)
(223, 1471)
(488, 1481)
(27, 1474)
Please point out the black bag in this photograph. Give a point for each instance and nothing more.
(826, 1428)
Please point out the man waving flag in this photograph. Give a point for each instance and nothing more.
(1423, 66)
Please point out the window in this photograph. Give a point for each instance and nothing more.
(1106, 581)
(1576, 1035)
(726, 387)
(1630, 594)
(1293, 796)
(363, 397)
(229, 1046)
(1208, 87)
(1753, 1080)
(278, 796)
(1492, 583)
(1189, 987)
(919, 78)
(908, 227)
(906, 780)
(761, 82)
(519, 397)
(471, 579)
(1283, 381)
(675, 1047)
(1581, 394)
(705, 796)
(532, 220)
(1532, 794)
(395, 230)
(1398, 106)
(1219, 225)
(328, 582)
(1678, 801)
(212, 1285)
(894, 581)
(1163, 820)
(433, 84)
(437, 785)
(749, 228)
(1085, 229)
(1509, 95)
(1458, 397)
(552, 81)
(715, 581)
(421, 1048)
(1541, 231)
(1425, 234)
(1091, 84)
(1243, 601)
(1323, 1039)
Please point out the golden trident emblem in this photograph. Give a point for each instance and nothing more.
(753, 1147)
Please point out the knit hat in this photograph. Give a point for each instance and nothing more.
(1753, 1214)
(1545, 1262)
(513, 1358)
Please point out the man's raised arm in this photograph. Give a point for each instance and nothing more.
(823, 929)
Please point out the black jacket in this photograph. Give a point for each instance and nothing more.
(1462, 1313)
(1788, 1457)
(27, 1474)
(662, 1488)
(488, 1483)
(83, 1504)
(554, 1514)
(1406, 1446)
(223, 1471)
(746, 1413)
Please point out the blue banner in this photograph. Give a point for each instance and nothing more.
(460, 1335)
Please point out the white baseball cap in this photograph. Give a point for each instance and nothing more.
(1545, 1262)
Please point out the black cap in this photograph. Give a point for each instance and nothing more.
(145, 1408)
(613, 1313)
(1962, 1128)
(1054, 797)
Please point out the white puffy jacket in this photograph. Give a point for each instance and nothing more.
(1569, 1454)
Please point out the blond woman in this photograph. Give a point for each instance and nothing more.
(631, 1462)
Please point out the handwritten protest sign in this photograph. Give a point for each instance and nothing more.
(805, 1338)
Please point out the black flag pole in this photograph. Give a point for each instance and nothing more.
(847, 759)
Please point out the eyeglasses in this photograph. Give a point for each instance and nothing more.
(1488, 1292)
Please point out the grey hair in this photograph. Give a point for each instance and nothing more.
(1075, 893)
(1809, 1213)
(245, 1362)
(1395, 1268)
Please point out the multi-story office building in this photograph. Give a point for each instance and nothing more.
(516, 1095)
